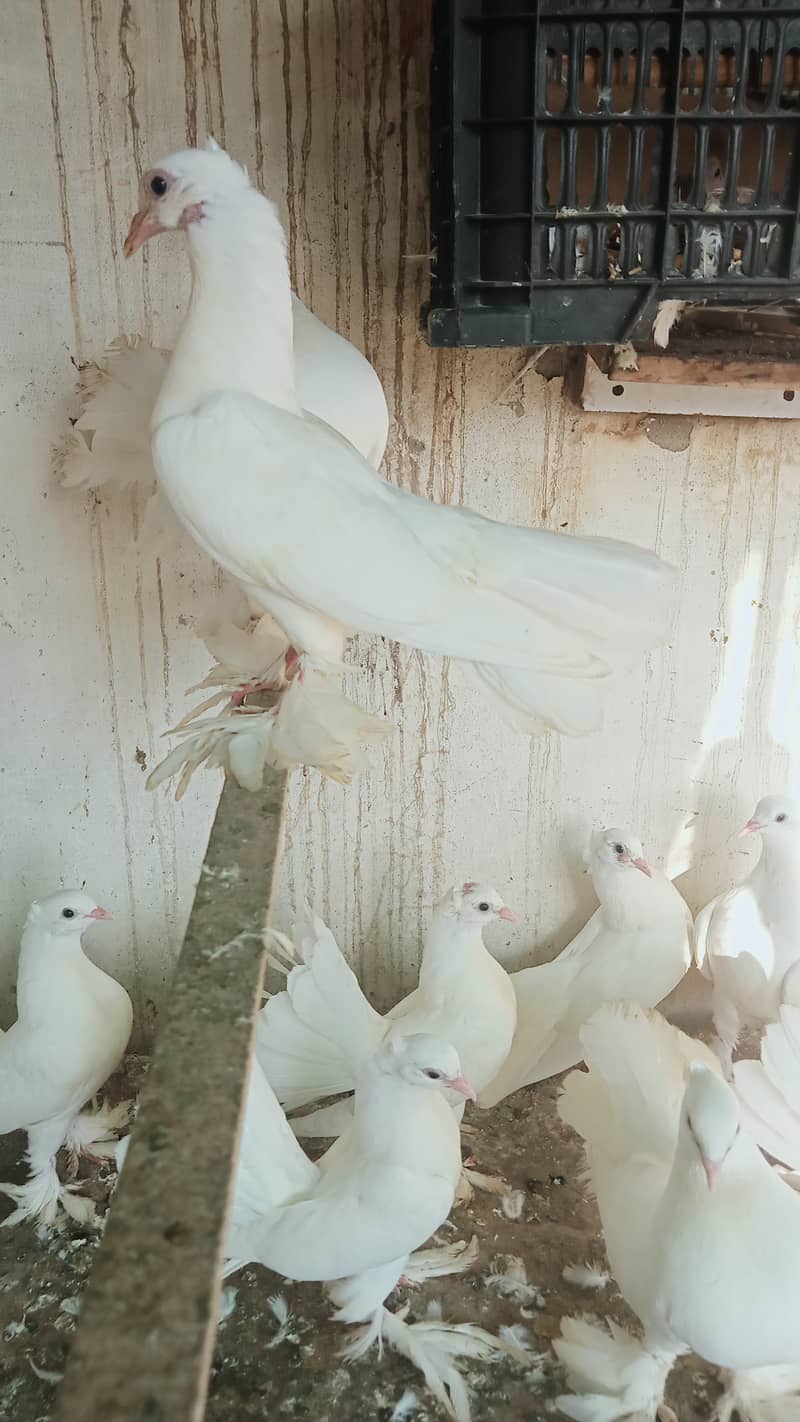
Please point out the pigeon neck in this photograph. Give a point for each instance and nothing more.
(237, 335)
(42, 957)
(390, 1113)
(627, 897)
(449, 946)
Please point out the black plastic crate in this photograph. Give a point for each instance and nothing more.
(591, 160)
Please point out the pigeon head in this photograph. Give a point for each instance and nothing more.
(709, 1120)
(425, 1061)
(617, 847)
(776, 818)
(182, 189)
(475, 903)
(65, 914)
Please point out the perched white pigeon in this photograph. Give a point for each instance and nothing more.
(313, 1038)
(289, 508)
(72, 1028)
(748, 939)
(111, 443)
(769, 1089)
(354, 1219)
(636, 946)
(703, 1237)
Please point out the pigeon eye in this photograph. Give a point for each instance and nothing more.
(484, 907)
(67, 913)
(779, 819)
(619, 848)
(432, 1074)
(158, 185)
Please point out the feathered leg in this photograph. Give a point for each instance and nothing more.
(612, 1375)
(762, 1395)
(95, 1134)
(41, 1195)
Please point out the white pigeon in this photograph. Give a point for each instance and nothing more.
(769, 1089)
(110, 443)
(72, 1029)
(636, 946)
(703, 1237)
(314, 1038)
(355, 1218)
(291, 510)
(748, 939)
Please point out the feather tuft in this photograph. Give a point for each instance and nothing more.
(586, 1276)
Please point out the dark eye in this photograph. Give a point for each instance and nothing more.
(484, 907)
(779, 819)
(158, 185)
(433, 1074)
(619, 848)
(67, 913)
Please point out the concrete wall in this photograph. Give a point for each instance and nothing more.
(326, 101)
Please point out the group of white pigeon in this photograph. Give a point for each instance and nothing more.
(264, 431)
(702, 1233)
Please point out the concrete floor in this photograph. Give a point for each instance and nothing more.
(299, 1374)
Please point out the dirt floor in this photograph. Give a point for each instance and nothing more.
(295, 1371)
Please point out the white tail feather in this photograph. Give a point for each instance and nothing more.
(611, 1374)
(110, 441)
(313, 1038)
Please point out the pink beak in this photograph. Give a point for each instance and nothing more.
(462, 1086)
(712, 1169)
(752, 827)
(99, 913)
(644, 866)
(144, 226)
(507, 915)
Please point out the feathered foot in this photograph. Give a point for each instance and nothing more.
(311, 724)
(95, 1134)
(40, 1197)
(762, 1395)
(612, 1374)
(434, 1348)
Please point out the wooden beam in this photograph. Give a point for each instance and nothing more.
(142, 1350)
(702, 370)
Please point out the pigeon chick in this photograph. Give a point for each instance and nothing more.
(72, 1029)
(748, 939)
(636, 946)
(296, 515)
(703, 1237)
(355, 1218)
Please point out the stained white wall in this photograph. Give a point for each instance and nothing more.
(326, 102)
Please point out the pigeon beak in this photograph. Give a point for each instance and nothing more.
(712, 1169)
(644, 866)
(507, 915)
(144, 226)
(752, 827)
(99, 913)
(462, 1086)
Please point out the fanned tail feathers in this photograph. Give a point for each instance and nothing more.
(631, 1097)
(110, 441)
(769, 1090)
(611, 1374)
(312, 1037)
